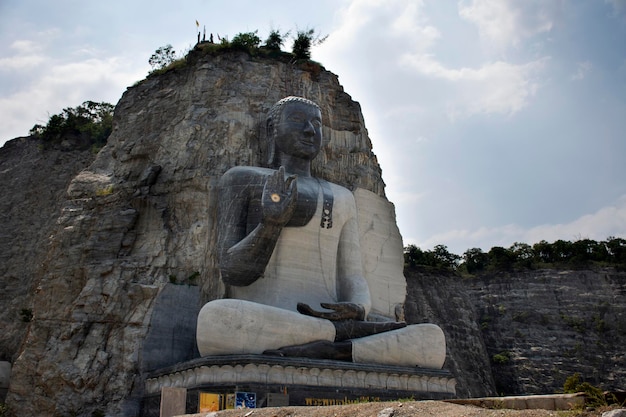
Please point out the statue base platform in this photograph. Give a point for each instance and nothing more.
(278, 381)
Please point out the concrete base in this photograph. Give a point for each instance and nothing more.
(306, 381)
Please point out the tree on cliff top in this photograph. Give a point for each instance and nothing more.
(84, 126)
(162, 57)
(275, 40)
(305, 39)
(248, 41)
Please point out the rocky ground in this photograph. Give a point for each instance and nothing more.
(398, 409)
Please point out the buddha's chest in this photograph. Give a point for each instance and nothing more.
(307, 202)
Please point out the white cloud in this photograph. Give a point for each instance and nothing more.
(505, 23)
(411, 23)
(27, 56)
(21, 62)
(606, 221)
(582, 69)
(380, 29)
(396, 42)
(24, 46)
(497, 87)
(599, 225)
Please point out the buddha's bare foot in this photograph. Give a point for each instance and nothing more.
(321, 349)
(354, 329)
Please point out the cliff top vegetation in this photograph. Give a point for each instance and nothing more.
(165, 58)
(582, 253)
(82, 127)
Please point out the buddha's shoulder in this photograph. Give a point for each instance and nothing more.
(341, 192)
(245, 175)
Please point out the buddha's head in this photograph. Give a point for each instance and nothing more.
(294, 127)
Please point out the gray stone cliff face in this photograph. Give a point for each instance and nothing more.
(442, 299)
(541, 327)
(526, 332)
(113, 263)
(33, 182)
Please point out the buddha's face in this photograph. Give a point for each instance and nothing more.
(299, 130)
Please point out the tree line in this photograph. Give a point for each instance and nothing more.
(520, 256)
(85, 126)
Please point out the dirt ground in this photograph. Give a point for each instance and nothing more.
(396, 409)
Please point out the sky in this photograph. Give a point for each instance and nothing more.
(494, 121)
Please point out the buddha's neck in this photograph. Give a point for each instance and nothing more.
(298, 166)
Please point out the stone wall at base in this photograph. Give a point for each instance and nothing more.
(306, 381)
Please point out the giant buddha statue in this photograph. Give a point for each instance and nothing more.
(290, 256)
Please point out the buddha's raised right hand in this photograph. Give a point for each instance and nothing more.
(279, 198)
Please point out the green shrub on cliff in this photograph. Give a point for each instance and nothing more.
(248, 41)
(162, 57)
(275, 40)
(305, 39)
(82, 127)
(165, 59)
(594, 395)
(501, 358)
